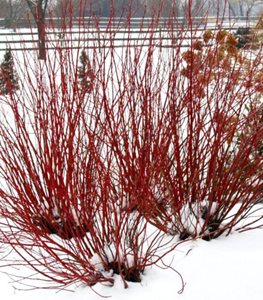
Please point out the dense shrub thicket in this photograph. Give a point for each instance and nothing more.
(106, 154)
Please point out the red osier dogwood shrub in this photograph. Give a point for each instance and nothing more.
(92, 156)
(211, 158)
(185, 147)
(65, 202)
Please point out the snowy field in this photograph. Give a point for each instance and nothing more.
(226, 268)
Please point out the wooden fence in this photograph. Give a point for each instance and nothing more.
(118, 34)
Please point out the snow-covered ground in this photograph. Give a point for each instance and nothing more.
(227, 268)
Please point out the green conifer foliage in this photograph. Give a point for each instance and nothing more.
(8, 75)
(85, 73)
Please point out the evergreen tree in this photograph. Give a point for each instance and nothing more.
(8, 75)
(85, 73)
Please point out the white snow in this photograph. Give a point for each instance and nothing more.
(226, 268)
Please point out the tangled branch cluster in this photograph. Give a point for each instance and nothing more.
(101, 164)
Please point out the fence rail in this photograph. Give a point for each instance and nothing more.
(103, 22)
